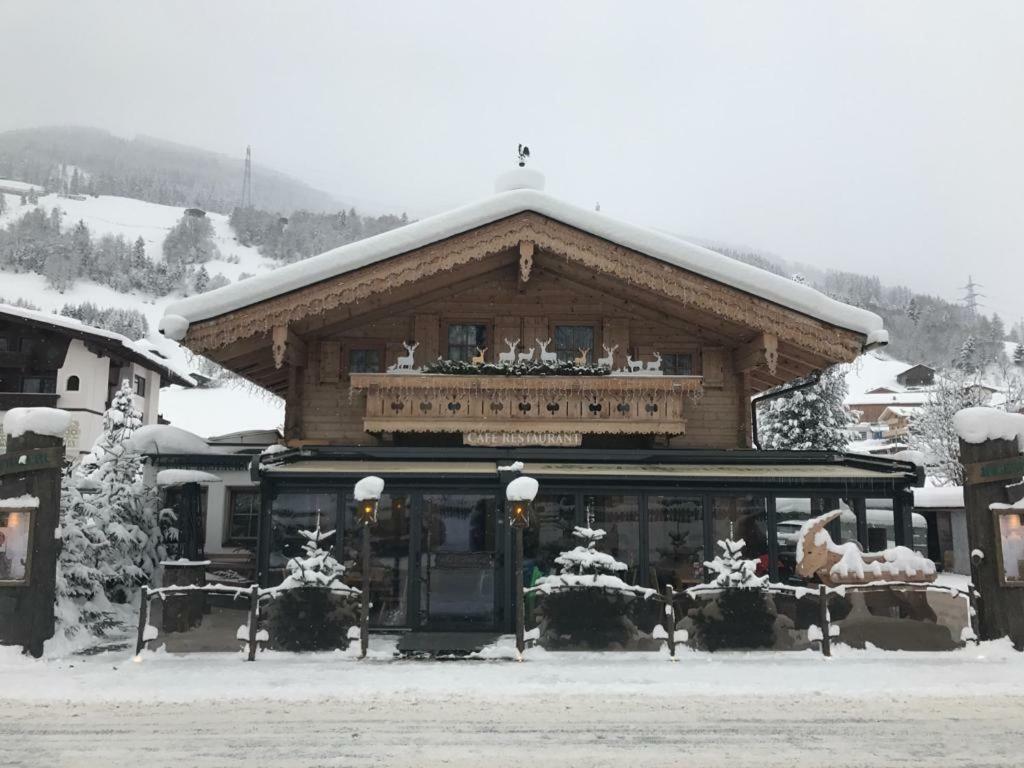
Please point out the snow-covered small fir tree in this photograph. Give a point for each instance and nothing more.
(317, 567)
(739, 615)
(731, 570)
(809, 419)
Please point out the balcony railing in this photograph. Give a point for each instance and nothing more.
(526, 410)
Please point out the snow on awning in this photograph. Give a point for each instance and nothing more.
(169, 477)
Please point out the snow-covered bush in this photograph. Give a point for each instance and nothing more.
(110, 528)
(312, 609)
(737, 613)
(588, 604)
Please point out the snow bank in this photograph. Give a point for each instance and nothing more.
(167, 477)
(515, 466)
(370, 487)
(158, 439)
(976, 425)
(19, 502)
(566, 581)
(42, 421)
(522, 489)
(656, 244)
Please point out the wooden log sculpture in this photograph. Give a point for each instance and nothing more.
(835, 564)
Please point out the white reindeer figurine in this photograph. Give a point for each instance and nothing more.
(654, 366)
(546, 357)
(527, 356)
(608, 361)
(581, 361)
(634, 366)
(406, 362)
(508, 358)
(478, 358)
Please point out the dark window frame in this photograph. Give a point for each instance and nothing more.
(572, 352)
(254, 514)
(470, 349)
(140, 385)
(353, 352)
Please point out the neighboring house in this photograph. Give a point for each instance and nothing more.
(917, 376)
(57, 362)
(943, 508)
(659, 458)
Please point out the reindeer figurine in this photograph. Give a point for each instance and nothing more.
(608, 361)
(478, 358)
(634, 366)
(548, 358)
(654, 366)
(406, 362)
(508, 358)
(581, 361)
(527, 356)
(835, 564)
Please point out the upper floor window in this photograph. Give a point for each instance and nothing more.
(570, 339)
(464, 338)
(73, 384)
(4, 344)
(39, 384)
(140, 386)
(677, 363)
(365, 361)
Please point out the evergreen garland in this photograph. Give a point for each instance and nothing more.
(535, 368)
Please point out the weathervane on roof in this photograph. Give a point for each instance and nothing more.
(524, 154)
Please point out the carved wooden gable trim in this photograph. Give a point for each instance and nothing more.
(652, 275)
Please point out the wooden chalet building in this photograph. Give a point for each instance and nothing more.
(663, 460)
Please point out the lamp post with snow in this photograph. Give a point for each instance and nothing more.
(367, 495)
(520, 494)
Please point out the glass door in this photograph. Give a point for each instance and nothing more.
(458, 561)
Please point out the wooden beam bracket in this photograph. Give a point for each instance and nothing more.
(761, 351)
(288, 348)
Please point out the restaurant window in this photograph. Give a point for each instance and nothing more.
(675, 526)
(364, 361)
(389, 558)
(243, 515)
(291, 512)
(677, 363)
(552, 519)
(140, 386)
(619, 516)
(464, 339)
(1010, 545)
(742, 517)
(570, 339)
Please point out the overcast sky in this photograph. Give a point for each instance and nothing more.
(881, 137)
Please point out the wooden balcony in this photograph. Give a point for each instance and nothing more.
(526, 410)
(10, 400)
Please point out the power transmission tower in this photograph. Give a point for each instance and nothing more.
(971, 295)
(247, 179)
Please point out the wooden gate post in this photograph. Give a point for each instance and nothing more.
(670, 619)
(140, 638)
(254, 619)
(823, 621)
(520, 604)
(988, 468)
(364, 619)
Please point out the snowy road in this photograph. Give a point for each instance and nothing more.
(208, 710)
(615, 730)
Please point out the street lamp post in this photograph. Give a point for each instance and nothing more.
(367, 494)
(520, 494)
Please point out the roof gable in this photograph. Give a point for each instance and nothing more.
(657, 245)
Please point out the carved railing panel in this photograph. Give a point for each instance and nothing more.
(526, 405)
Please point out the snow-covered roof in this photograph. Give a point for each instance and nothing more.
(527, 197)
(157, 439)
(944, 497)
(141, 351)
(52, 422)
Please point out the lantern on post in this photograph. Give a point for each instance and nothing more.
(520, 494)
(367, 494)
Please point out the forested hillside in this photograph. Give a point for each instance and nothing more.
(78, 160)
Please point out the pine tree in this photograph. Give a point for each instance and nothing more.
(739, 615)
(731, 570)
(913, 311)
(967, 357)
(201, 279)
(813, 418)
(1018, 355)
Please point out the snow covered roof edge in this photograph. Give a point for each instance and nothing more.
(672, 250)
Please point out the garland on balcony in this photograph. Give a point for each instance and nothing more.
(560, 368)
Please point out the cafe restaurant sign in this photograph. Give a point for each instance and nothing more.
(517, 439)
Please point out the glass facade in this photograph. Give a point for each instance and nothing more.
(675, 526)
(291, 512)
(389, 558)
(742, 517)
(550, 533)
(619, 516)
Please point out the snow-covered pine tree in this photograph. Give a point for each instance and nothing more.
(813, 418)
(1018, 355)
(967, 356)
(739, 615)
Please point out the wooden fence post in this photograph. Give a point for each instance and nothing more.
(520, 603)
(254, 618)
(140, 640)
(823, 621)
(670, 619)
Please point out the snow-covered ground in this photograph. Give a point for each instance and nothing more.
(858, 708)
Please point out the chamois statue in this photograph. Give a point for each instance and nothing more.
(581, 361)
(835, 564)
(608, 361)
(510, 356)
(545, 356)
(478, 358)
(406, 362)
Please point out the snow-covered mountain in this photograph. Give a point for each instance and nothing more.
(204, 411)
